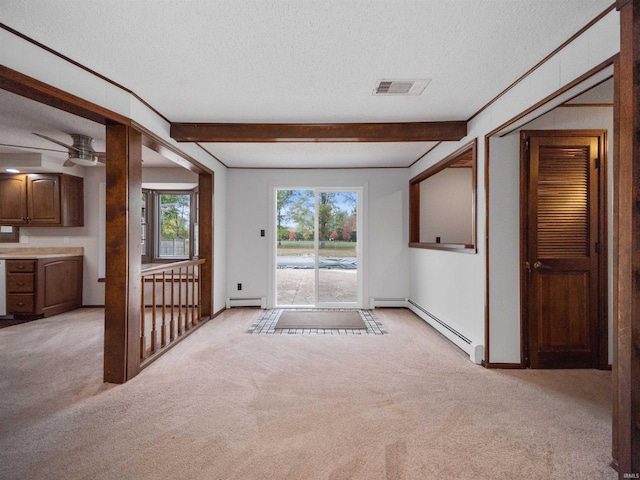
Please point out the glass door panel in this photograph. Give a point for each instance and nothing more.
(337, 266)
(295, 257)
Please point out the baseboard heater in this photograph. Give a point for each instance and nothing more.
(475, 351)
(387, 302)
(247, 302)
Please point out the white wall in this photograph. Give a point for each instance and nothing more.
(504, 282)
(385, 254)
(452, 286)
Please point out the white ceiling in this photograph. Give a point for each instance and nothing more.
(308, 61)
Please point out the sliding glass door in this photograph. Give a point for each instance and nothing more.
(317, 259)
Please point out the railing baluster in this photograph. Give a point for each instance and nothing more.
(199, 307)
(180, 328)
(194, 320)
(154, 333)
(186, 278)
(143, 339)
(187, 307)
(164, 310)
(173, 301)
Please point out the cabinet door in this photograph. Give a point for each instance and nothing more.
(13, 199)
(43, 199)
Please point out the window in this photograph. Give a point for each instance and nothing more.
(442, 203)
(169, 225)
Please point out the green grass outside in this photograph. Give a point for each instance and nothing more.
(288, 248)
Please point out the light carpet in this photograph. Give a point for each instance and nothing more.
(226, 405)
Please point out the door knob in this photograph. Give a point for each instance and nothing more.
(541, 266)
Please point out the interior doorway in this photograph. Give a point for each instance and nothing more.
(318, 261)
(563, 212)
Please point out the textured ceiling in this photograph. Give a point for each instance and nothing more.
(305, 61)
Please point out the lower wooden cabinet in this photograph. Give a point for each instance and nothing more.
(44, 287)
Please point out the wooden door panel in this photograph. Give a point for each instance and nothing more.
(44, 199)
(562, 225)
(564, 296)
(13, 199)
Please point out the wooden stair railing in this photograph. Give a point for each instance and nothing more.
(175, 297)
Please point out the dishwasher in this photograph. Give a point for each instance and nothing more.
(3, 287)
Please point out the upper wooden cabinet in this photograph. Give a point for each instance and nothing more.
(42, 199)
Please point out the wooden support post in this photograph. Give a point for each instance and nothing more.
(205, 243)
(123, 254)
(626, 375)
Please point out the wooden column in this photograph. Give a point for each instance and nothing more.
(626, 381)
(205, 241)
(123, 254)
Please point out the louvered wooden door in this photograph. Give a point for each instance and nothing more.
(562, 252)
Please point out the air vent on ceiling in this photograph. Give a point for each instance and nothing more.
(400, 87)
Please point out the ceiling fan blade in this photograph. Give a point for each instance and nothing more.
(56, 141)
(68, 163)
(32, 148)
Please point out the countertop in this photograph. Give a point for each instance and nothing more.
(34, 253)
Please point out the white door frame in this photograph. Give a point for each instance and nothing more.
(361, 232)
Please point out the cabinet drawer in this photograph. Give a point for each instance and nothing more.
(19, 266)
(20, 283)
(20, 304)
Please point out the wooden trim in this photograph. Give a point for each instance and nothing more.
(219, 312)
(23, 85)
(504, 366)
(621, 4)
(557, 93)
(83, 67)
(617, 182)
(315, 168)
(592, 105)
(414, 201)
(212, 155)
(588, 90)
(542, 114)
(424, 154)
(487, 296)
(544, 60)
(164, 148)
(626, 381)
(335, 132)
(603, 264)
(206, 182)
(448, 247)
(524, 235)
(123, 254)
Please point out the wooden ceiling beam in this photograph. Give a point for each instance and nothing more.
(333, 132)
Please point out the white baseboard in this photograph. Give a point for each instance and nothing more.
(474, 350)
(398, 302)
(246, 302)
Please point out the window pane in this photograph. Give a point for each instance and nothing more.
(174, 220)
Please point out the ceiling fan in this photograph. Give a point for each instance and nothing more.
(81, 152)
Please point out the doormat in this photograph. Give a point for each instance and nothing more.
(317, 321)
(327, 319)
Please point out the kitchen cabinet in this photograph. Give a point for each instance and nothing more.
(44, 286)
(41, 200)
